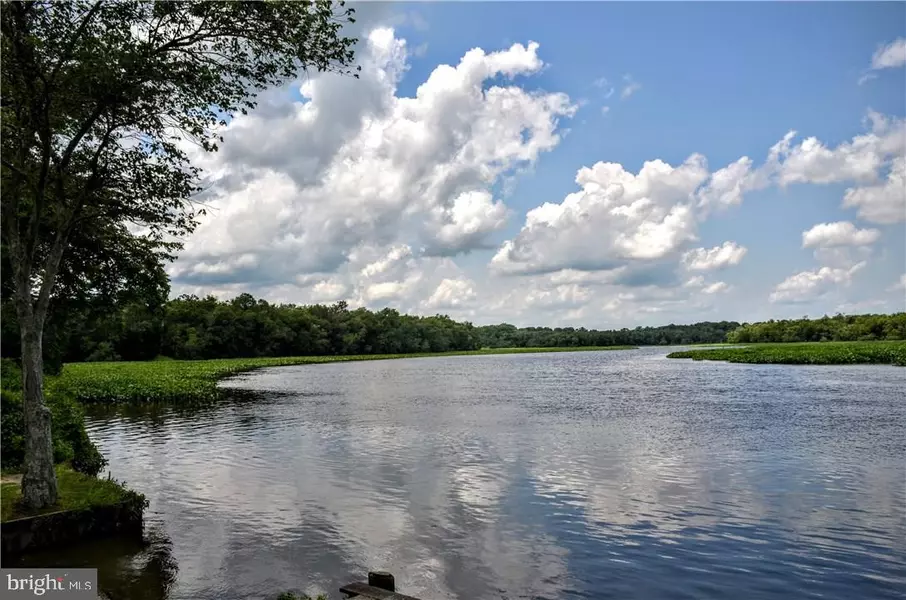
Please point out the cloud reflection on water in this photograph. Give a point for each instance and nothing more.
(527, 476)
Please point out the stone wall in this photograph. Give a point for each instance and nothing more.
(70, 526)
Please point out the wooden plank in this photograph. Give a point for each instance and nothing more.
(367, 591)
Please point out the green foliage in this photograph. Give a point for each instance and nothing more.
(76, 491)
(97, 98)
(103, 352)
(96, 95)
(10, 374)
(193, 328)
(839, 328)
(509, 336)
(70, 440)
(196, 381)
(829, 353)
(86, 458)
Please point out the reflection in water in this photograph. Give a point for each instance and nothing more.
(576, 475)
(128, 569)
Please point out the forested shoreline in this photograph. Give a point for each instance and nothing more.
(195, 328)
(839, 328)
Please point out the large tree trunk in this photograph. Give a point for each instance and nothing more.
(39, 481)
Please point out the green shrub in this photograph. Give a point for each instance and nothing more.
(810, 353)
(10, 374)
(70, 440)
(104, 352)
(12, 438)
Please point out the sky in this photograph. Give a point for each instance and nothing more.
(587, 164)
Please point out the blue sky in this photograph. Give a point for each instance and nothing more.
(724, 80)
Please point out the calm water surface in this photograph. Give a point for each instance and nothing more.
(545, 476)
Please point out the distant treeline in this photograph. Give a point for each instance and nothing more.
(198, 328)
(840, 328)
(509, 336)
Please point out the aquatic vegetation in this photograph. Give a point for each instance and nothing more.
(196, 380)
(812, 353)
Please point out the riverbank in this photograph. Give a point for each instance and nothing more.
(196, 381)
(76, 492)
(809, 353)
(87, 508)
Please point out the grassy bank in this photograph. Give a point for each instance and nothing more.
(76, 491)
(812, 353)
(193, 381)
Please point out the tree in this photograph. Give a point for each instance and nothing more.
(104, 269)
(99, 101)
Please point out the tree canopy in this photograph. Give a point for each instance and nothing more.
(190, 327)
(839, 328)
(101, 104)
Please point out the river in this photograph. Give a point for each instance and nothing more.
(615, 474)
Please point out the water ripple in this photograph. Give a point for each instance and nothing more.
(576, 475)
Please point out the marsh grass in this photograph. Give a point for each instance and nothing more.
(807, 353)
(196, 380)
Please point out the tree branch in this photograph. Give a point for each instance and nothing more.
(77, 138)
(25, 55)
(65, 55)
(55, 256)
(14, 169)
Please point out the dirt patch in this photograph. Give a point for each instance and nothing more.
(17, 478)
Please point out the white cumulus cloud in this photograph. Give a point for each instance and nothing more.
(859, 160)
(341, 189)
(887, 56)
(452, 293)
(809, 285)
(728, 185)
(840, 233)
(883, 203)
(618, 217)
(696, 281)
(329, 291)
(464, 225)
(718, 257)
(890, 56)
(639, 227)
(302, 183)
(842, 256)
(716, 288)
